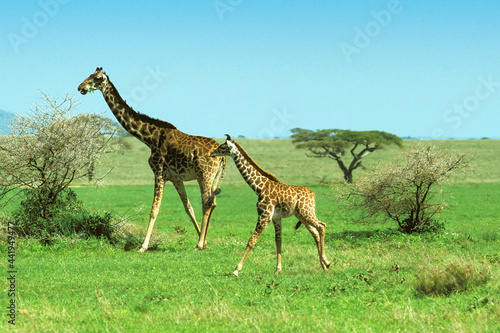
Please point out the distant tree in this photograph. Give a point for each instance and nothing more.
(407, 191)
(48, 148)
(335, 143)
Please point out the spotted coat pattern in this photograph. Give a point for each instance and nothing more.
(275, 201)
(175, 156)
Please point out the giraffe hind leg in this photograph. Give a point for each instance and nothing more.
(208, 206)
(209, 190)
(277, 236)
(210, 200)
(216, 183)
(203, 241)
(181, 190)
(317, 230)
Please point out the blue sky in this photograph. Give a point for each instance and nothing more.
(259, 68)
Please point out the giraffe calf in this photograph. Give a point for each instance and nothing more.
(275, 201)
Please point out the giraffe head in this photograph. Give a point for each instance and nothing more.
(225, 149)
(94, 82)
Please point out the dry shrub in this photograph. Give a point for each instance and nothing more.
(131, 237)
(47, 149)
(407, 191)
(453, 278)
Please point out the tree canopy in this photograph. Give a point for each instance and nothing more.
(337, 143)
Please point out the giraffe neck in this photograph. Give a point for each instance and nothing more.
(139, 125)
(254, 175)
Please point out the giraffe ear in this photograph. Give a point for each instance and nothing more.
(228, 137)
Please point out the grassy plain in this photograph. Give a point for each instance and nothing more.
(292, 166)
(371, 286)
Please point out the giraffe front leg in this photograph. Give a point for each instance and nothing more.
(261, 225)
(159, 185)
(240, 264)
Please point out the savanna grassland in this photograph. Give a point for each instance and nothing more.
(380, 280)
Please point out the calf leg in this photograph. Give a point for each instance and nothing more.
(277, 232)
(261, 225)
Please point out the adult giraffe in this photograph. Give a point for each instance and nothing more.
(175, 156)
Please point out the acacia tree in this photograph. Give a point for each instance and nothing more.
(408, 191)
(337, 143)
(48, 148)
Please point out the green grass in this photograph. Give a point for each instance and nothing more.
(372, 285)
(292, 166)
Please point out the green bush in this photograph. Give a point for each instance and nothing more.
(64, 217)
(409, 226)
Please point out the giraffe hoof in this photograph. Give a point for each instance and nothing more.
(235, 273)
(142, 250)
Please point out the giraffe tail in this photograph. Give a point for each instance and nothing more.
(298, 225)
(211, 197)
(217, 182)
